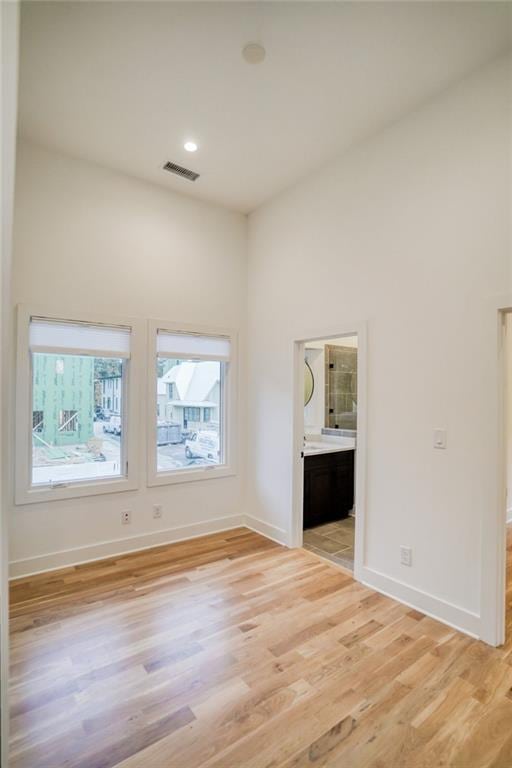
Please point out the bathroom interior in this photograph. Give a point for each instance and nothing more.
(330, 437)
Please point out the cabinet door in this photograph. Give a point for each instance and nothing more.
(320, 482)
(344, 490)
(307, 499)
(328, 487)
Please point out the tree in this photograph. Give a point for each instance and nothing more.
(165, 364)
(105, 367)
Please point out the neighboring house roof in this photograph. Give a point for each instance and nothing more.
(194, 381)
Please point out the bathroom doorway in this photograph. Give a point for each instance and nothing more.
(329, 430)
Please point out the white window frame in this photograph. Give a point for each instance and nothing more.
(25, 492)
(228, 407)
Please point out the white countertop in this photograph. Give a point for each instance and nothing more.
(315, 445)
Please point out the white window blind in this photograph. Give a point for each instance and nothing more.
(78, 338)
(191, 345)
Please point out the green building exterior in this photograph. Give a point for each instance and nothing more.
(63, 399)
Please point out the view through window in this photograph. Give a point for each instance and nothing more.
(77, 417)
(189, 396)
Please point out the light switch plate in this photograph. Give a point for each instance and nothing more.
(440, 438)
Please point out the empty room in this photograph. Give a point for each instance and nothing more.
(256, 292)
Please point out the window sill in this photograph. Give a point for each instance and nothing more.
(189, 475)
(74, 490)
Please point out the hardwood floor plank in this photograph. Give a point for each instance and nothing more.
(321, 748)
(230, 651)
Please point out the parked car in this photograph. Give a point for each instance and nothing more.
(203, 445)
(99, 414)
(113, 425)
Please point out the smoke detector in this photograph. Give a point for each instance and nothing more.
(254, 53)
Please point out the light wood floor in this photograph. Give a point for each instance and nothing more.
(232, 651)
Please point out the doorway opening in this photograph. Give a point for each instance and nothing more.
(496, 606)
(329, 431)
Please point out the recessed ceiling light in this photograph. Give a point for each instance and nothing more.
(254, 53)
(190, 146)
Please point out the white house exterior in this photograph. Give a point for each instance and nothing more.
(111, 388)
(162, 399)
(189, 395)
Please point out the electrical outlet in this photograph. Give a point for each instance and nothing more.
(157, 511)
(406, 555)
(126, 516)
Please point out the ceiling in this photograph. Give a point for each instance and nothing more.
(124, 84)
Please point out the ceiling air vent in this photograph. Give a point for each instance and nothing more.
(180, 171)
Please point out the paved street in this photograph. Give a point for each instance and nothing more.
(173, 457)
(169, 457)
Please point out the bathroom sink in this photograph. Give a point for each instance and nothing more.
(312, 447)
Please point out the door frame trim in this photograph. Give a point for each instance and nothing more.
(494, 559)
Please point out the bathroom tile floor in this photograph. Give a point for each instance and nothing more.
(334, 541)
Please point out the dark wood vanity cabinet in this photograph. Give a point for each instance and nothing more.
(328, 487)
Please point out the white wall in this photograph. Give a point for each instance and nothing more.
(9, 36)
(410, 233)
(96, 240)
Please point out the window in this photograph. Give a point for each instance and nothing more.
(72, 443)
(193, 388)
(65, 370)
(37, 421)
(68, 421)
(192, 414)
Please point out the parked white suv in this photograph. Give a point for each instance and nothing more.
(113, 425)
(203, 445)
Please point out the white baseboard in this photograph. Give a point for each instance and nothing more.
(453, 615)
(86, 554)
(278, 535)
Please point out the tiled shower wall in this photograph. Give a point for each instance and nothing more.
(340, 387)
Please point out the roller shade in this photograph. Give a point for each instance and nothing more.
(79, 338)
(191, 345)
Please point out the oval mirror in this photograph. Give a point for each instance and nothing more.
(309, 383)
